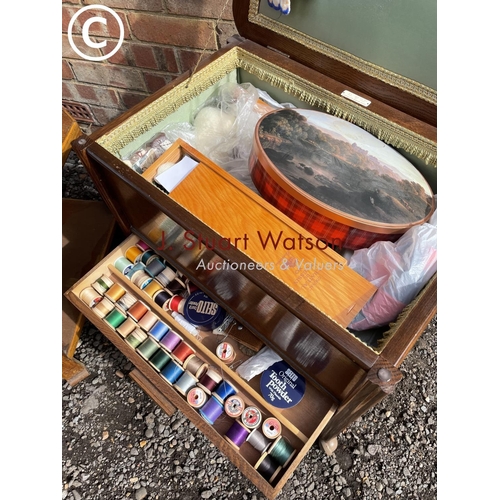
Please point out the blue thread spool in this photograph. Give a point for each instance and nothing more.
(172, 372)
(159, 330)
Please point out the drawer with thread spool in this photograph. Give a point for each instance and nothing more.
(200, 369)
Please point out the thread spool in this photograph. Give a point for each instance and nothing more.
(115, 318)
(186, 382)
(170, 341)
(123, 265)
(237, 434)
(139, 266)
(161, 298)
(102, 284)
(226, 352)
(104, 307)
(223, 391)
(127, 327)
(271, 427)
(196, 397)
(172, 372)
(212, 410)
(195, 365)
(141, 279)
(282, 451)
(136, 338)
(177, 304)
(191, 287)
(267, 468)
(176, 286)
(147, 321)
(155, 267)
(159, 360)
(143, 246)
(166, 276)
(148, 348)
(251, 417)
(234, 406)
(152, 288)
(182, 351)
(133, 254)
(115, 292)
(138, 310)
(158, 330)
(146, 256)
(90, 296)
(258, 441)
(210, 380)
(126, 301)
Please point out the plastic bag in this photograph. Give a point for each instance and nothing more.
(399, 270)
(148, 153)
(258, 363)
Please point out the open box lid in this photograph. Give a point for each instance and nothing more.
(384, 50)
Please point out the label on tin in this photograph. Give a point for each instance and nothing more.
(251, 417)
(282, 386)
(201, 310)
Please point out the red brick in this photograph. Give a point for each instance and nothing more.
(170, 63)
(144, 56)
(189, 59)
(68, 52)
(67, 14)
(108, 75)
(172, 30)
(130, 99)
(67, 92)
(105, 115)
(122, 56)
(149, 5)
(67, 73)
(155, 82)
(72, 1)
(197, 8)
(96, 95)
(224, 31)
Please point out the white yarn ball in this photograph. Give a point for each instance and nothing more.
(212, 127)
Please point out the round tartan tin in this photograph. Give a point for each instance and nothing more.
(342, 184)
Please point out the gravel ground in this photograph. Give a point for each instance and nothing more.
(117, 443)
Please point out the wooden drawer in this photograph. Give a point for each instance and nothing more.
(301, 424)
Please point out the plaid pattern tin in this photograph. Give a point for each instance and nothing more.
(335, 233)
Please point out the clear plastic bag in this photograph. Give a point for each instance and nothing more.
(399, 270)
(258, 363)
(148, 153)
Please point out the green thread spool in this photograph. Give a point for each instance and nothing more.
(148, 348)
(159, 360)
(282, 451)
(136, 338)
(115, 318)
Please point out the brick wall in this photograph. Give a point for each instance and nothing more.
(163, 39)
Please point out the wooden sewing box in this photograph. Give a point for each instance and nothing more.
(345, 374)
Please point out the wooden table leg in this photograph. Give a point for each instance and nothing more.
(73, 371)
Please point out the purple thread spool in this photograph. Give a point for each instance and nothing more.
(237, 434)
(170, 341)
(212, 410)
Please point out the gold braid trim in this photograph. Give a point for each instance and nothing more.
(302, 89)
(411, 86)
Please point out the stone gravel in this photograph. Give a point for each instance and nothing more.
(118, 444)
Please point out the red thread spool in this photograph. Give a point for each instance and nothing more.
(182, 352)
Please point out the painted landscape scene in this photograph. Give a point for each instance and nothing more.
(345, 167)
